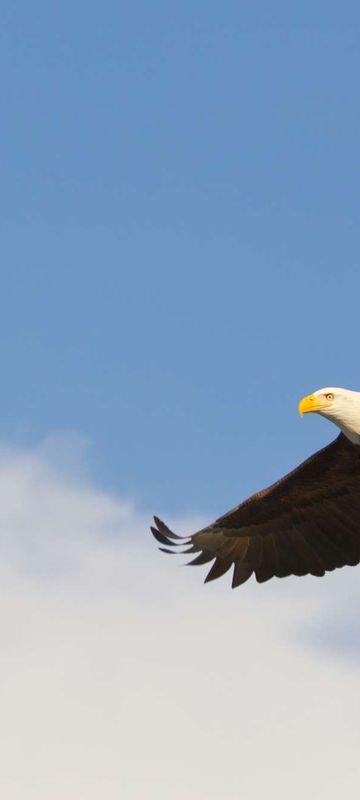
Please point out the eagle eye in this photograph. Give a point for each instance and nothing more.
(329, 396)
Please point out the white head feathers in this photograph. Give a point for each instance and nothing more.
(341, 406)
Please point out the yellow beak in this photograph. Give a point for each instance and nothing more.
(310, 403)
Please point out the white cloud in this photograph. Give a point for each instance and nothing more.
(121, 676)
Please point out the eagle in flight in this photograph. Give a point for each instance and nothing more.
(308, 522)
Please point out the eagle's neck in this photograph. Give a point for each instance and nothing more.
(350, 433)
(348, 420)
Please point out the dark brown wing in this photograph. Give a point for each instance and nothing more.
(308, 522)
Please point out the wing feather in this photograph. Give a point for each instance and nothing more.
(219, 567)
(306, 523)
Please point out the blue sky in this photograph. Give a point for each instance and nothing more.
(179, 236)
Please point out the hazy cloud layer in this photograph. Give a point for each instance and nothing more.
(121, 676)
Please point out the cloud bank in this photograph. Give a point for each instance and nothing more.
(121, 676)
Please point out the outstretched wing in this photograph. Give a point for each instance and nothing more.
(307, 522)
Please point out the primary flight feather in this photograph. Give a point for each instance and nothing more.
(307, 522)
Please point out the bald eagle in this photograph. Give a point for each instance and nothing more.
(308, 522)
